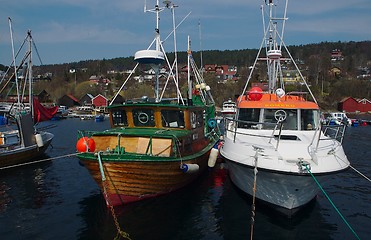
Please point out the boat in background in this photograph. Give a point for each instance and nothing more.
(336, 118)
(82, 112)
(155, 145)
(99, 118)
(275, 146)
(229, 108)
(20, 141)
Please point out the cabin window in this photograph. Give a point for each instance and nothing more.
(309, 119)
(271, 118)
(197, 119)
(248, 117)
(143, 117)
(119, 118)
(172, 118)
(291, 121)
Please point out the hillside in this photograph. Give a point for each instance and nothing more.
(352, 79)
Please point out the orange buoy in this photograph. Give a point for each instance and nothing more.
(85, 144)
(255, 94)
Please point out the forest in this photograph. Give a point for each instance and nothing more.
(315, 62)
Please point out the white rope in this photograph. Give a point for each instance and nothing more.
(38, 161)
(357, 171)
(360, 173)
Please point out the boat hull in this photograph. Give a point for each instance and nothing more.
(20, 155)
(284, 190)
(134, 180)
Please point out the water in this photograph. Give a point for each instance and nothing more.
(59, 200)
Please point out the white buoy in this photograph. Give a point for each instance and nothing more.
(39, 140)
(189, 168)
(212, 157)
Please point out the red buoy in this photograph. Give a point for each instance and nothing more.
(255, 94)
(85, 144)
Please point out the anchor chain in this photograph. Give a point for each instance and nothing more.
(105, 187)
(119, 231)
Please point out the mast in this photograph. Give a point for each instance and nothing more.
(173, 6)
(274, 44)
(274, 54)
(14, 62)
(189, 72)
(30, 75)
(154, 57)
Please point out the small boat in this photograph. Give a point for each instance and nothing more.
(275, 146)
(61, 113)
(337, 118)
(82, 112)
(229, 108)
(155, 145)
(20, 141)
(23, 143)
(99, 118)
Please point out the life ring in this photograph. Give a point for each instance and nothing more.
(143, 117)
(211, 123)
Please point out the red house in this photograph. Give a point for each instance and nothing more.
(350, 104)
(364, 105)
(100, 101)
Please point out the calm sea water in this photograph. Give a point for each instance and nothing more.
(59, 200)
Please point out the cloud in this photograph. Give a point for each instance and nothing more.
(86, 33)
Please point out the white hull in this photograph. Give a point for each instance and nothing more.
(282, 179)
(280, 189)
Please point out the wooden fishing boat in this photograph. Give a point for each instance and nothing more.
(155, 145)
(275, 146)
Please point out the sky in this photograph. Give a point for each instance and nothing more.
(67, 31)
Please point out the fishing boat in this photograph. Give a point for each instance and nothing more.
(228, 108)
(20, 141)
(275, 148)
(154, 145)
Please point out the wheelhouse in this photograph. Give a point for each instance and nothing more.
(156, 116)
(267, 118)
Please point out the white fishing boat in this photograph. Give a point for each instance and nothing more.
(275, 146)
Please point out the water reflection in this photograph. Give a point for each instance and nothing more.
(59, 199)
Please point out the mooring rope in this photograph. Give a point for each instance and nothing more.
(357, 171)
(38, 161)
(254, 192)
(332, 203)
(360, 173)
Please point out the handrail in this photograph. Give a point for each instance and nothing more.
(336, 132)
(228, 120)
